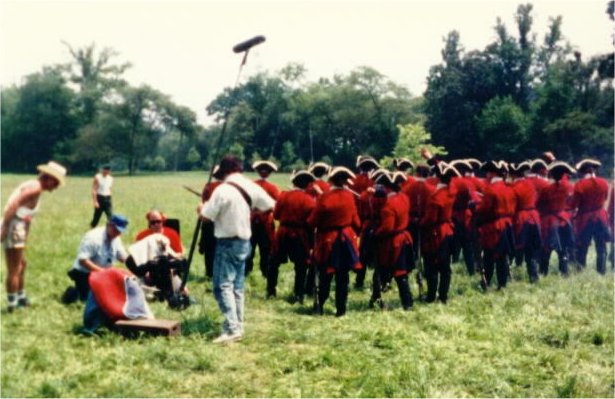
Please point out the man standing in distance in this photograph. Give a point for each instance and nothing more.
(229, 208)
(21, 207)
(101, 194)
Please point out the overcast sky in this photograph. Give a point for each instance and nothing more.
(184, 48)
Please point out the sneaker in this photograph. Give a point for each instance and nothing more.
(226, 338)
(23, 302)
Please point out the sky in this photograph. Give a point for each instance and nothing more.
(184, 48)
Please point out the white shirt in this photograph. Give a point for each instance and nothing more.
(104, 184)
(95, 246)
(150, 247)
(229, 210)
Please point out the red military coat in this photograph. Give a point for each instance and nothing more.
(209, 189)
(525, 212)
(293, 239)
(361, 182)
(437, 222)
(589, 197)
(418, 192)
(540, 183)
(495, 212)
(553, 203)
(317, 187)
(266, 218)
(466, 192)
(394, 242)
(336, 221)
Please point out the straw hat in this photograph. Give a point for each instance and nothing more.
(55, 170)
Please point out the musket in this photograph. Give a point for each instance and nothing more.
(193, 191)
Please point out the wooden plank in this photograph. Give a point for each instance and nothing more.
(169, 328)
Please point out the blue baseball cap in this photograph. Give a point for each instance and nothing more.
(120, 222)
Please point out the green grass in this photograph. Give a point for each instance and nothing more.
(553, 339)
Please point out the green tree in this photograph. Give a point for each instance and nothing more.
(38, 122)
(503, 125)
(411, 139)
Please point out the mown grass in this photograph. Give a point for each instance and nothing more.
(553, 339)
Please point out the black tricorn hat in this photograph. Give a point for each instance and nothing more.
(560, 167)
(341, 172)
(302, 178)
(587, 163)
(265, 165)
(537, 165)
(403, 164)
(375, 173)
(450, 171)
(519, 168)
(384, 179)
(491, 166)
(462, 165)
(399, 177)
(365, 161)
(319, 168)
(476, 164)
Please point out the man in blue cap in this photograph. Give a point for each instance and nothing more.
(98, 250)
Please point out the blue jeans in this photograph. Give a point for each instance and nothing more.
(229, 275)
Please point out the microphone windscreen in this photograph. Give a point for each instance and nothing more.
(243, 46)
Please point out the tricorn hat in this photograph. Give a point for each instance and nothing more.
(587, 163)
(341, 172)
(366, 162)
(476, 164)
(519, 168)
(265, 165)
(302, 178)
(491, 166)
(319, 168)
(537, 164)
(403, 164)
(449, 171)
(385, 179)
(399, 177)
(374, 173)
(462, 165)
(560, 167)
(54, 170)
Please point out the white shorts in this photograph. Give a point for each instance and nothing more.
(17, 234)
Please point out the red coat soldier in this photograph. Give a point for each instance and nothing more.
(494, 217)
(393, 242)
(437, 234)
(294, 238)
(335, 253)
(319, 185)
(528, 240)
(370, 203)
(555, 219)
(263, 227)
(591, 221)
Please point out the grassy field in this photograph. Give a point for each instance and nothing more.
(552, 339)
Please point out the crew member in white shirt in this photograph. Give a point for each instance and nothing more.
(101, 194)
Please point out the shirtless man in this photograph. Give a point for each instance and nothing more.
(21, 207)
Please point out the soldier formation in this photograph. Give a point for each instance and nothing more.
(422, 218)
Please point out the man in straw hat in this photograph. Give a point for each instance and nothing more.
(21, 207)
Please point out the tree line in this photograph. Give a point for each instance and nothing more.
(512, 100)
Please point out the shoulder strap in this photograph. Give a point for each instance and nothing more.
(242, 192)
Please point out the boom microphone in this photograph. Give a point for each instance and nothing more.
(248, 44)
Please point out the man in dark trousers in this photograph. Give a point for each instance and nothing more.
(336, 221)
(437, 234)
(591, 221)
(101, 194)
(528, 240)
(394, 258)
(294, 238)
(263, 227)
(555, 219)
(495, 220)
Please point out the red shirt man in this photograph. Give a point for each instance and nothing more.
(155, 220)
